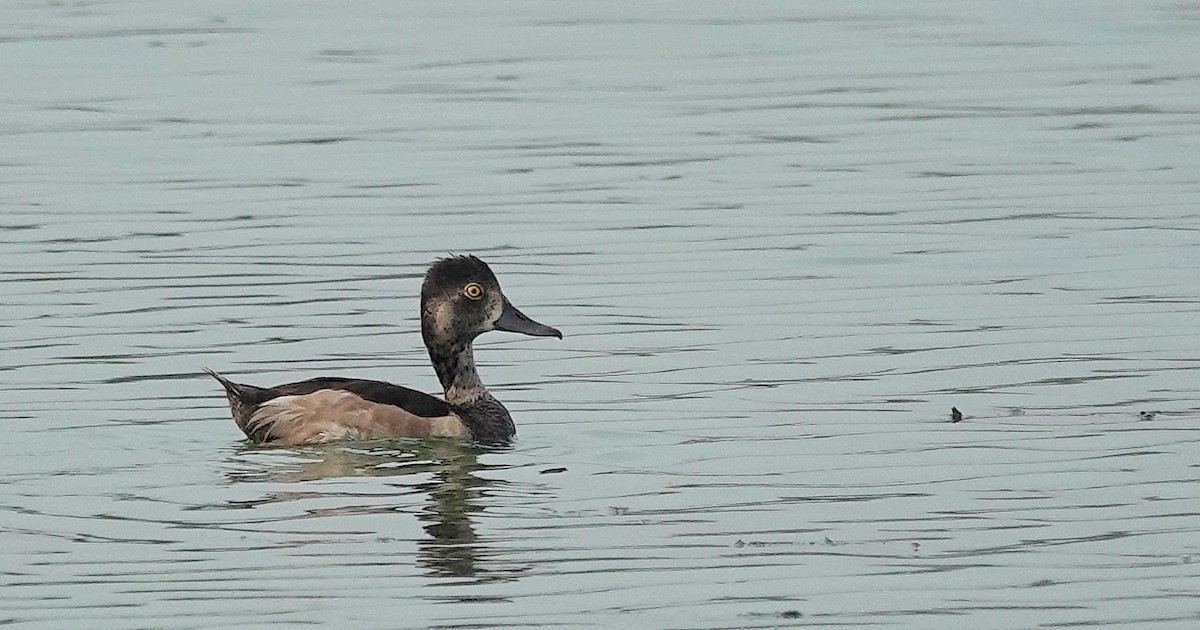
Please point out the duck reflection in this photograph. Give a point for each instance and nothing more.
(452, 548)
(448, 471)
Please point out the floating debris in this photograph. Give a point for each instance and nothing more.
(955, 415)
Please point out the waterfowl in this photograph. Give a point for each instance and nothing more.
(460, 299)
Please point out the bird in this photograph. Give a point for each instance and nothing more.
(460, 299)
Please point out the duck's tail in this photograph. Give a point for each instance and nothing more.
(243, 399)
(230, 386)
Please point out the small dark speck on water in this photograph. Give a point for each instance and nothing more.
(552, 471)
(955, 415)
(1147, 415)
(783, 614)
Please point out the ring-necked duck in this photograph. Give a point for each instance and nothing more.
(460, 299)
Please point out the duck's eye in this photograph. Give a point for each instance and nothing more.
(473, 291)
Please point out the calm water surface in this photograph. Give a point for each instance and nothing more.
(783, 240)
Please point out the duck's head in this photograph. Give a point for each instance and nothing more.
(460, 299)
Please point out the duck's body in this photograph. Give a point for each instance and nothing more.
(460, 299)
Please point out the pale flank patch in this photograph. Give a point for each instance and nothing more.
(328, 415)
(450, 427)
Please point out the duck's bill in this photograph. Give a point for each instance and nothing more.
(513, 320)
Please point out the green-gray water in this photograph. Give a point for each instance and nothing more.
(782, 240)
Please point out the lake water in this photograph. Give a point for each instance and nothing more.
(782, 240)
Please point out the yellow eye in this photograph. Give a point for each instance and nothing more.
(473, 291)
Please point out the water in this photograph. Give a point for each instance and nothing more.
(782, 239)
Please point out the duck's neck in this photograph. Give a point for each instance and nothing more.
(455, 367)
(488, 420)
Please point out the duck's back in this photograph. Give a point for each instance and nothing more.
(413, 401)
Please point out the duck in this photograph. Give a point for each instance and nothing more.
(460, 300)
